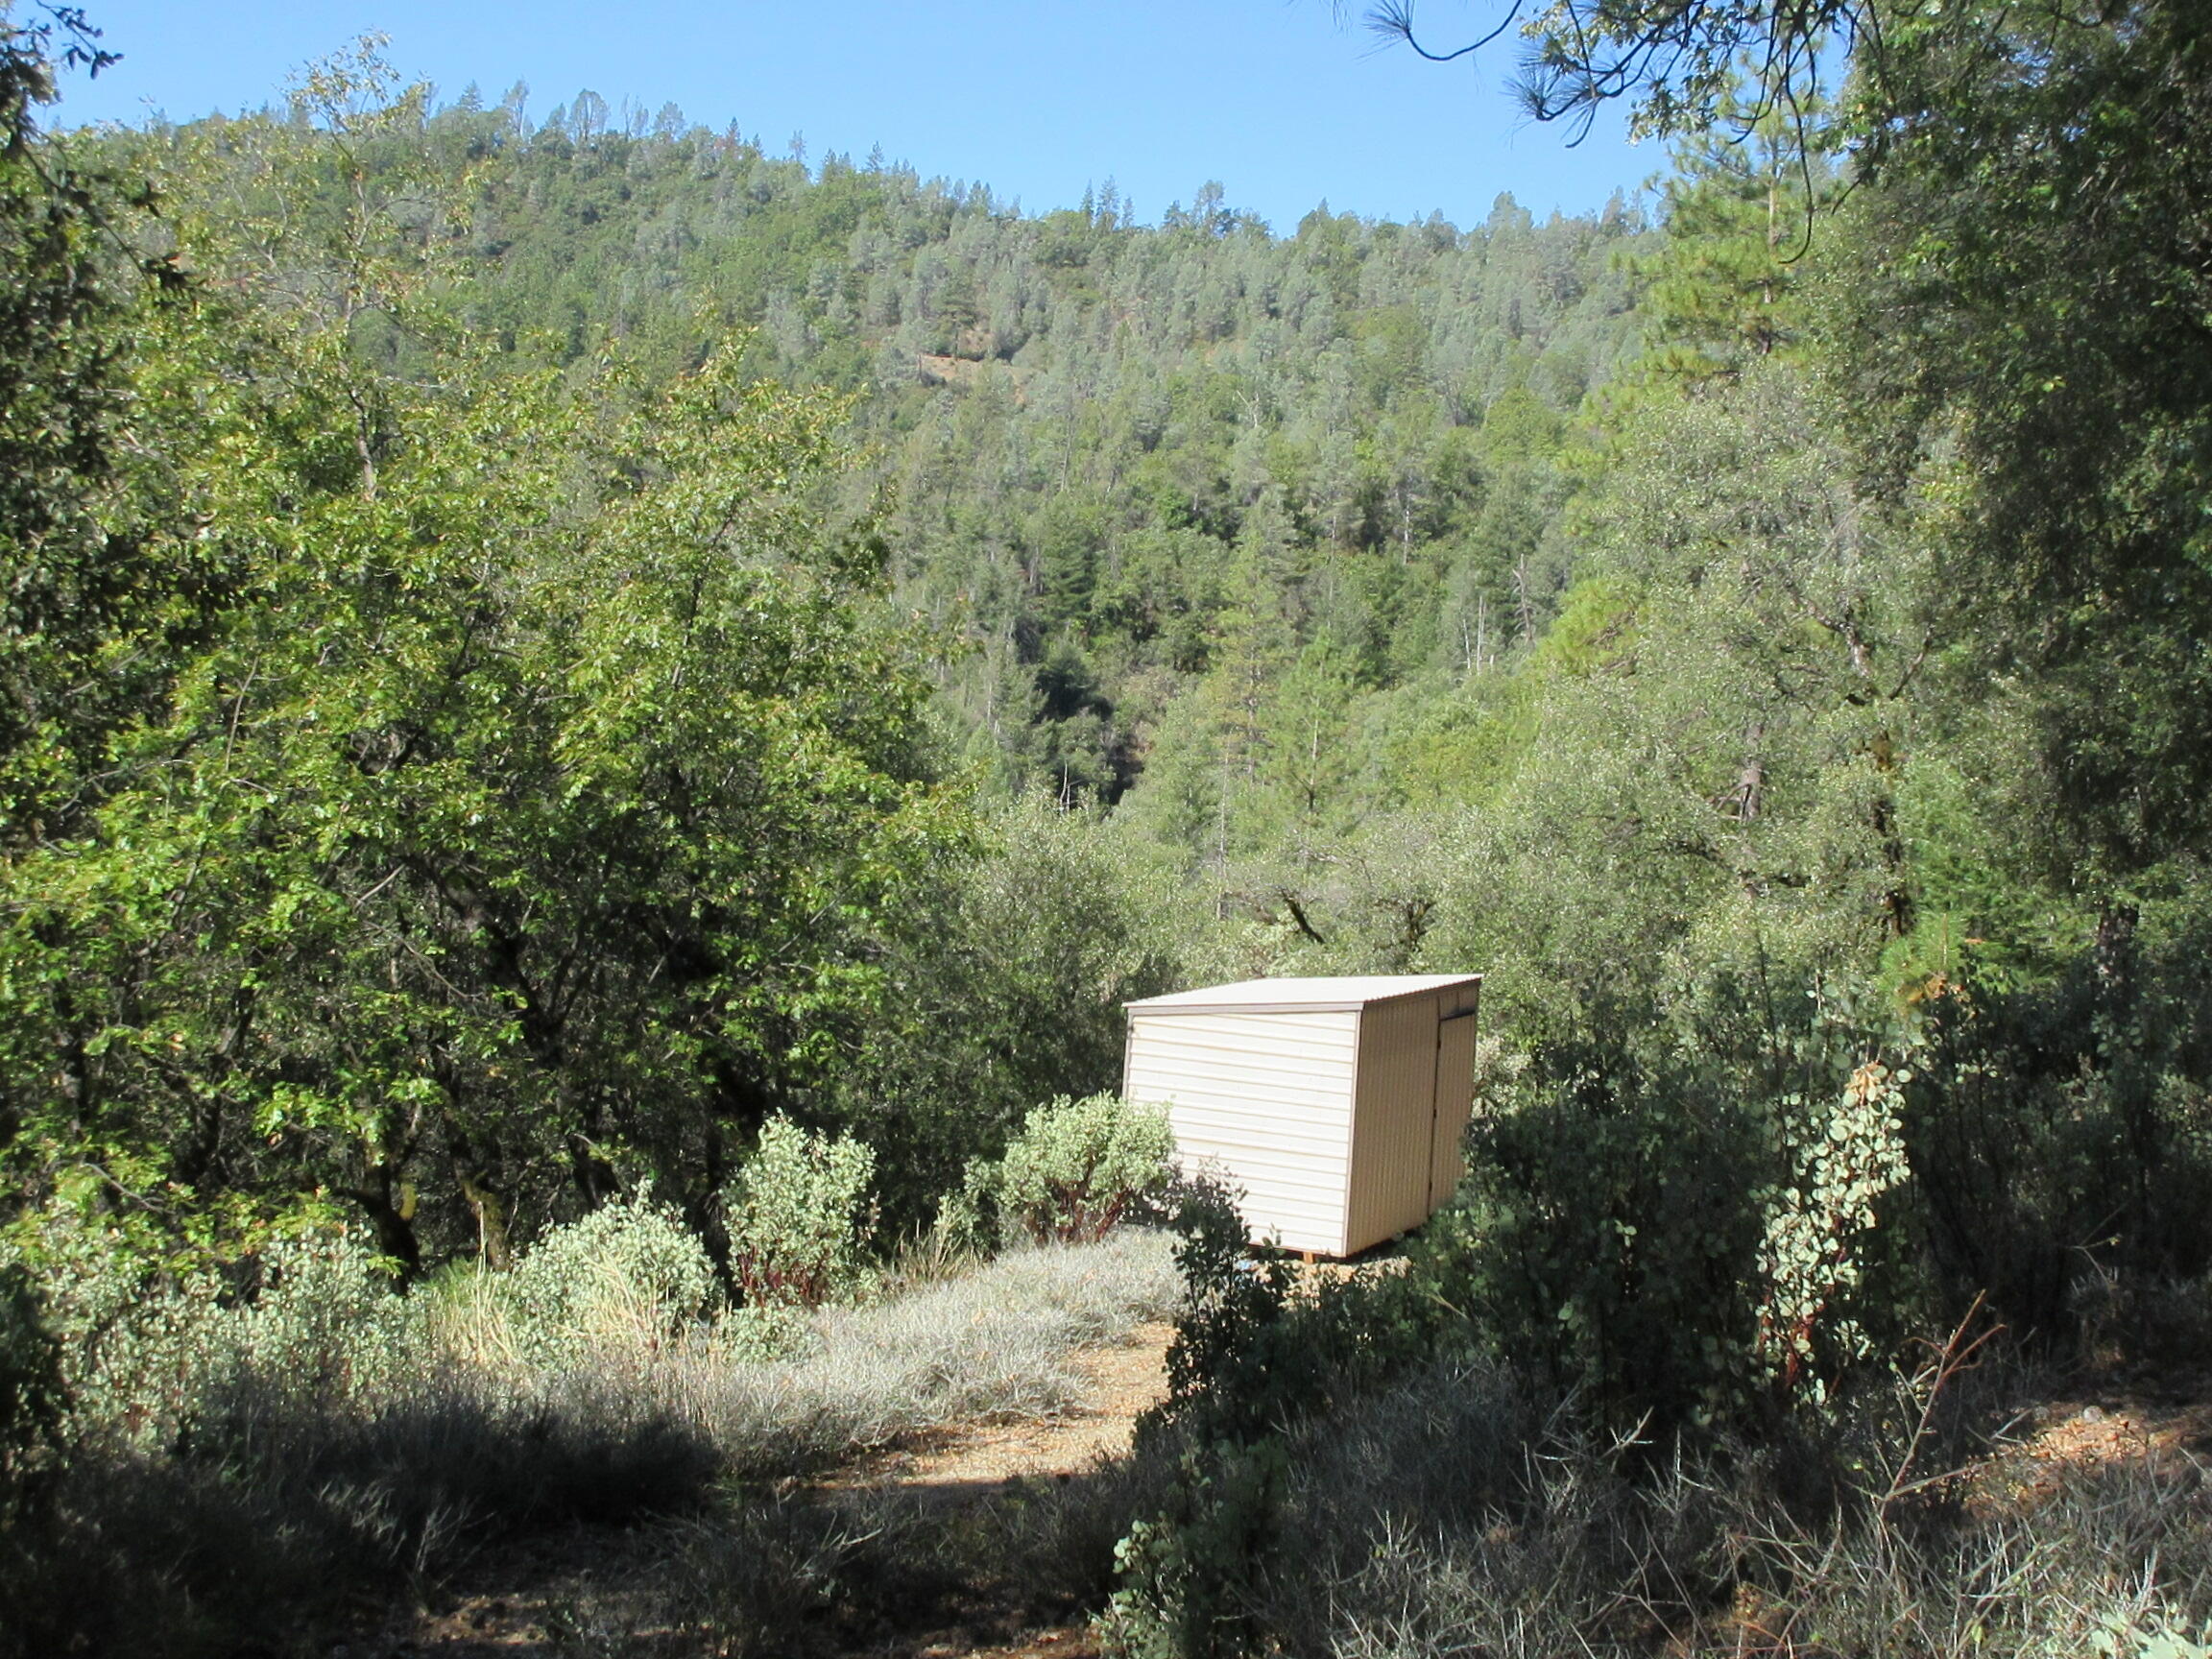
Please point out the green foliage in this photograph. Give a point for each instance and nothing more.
(1677, 1196)
(1732, 282)
(1076, 1169)
(1717, 732)
(1682, 1229)
(97, 595)
(1231, 1300)
(2057, 1128)
(2121, 1634)
(559, 840)
(324, 1324)
(129, 1325)
(1453, 1512)
(318, 1440)
(150, 1351)
(629, 1277)
(800, 1217)
(1183, 1575)
(1012, 994)
(1255, 1355)
(1063, 480)
(513, 782)
(2033, 371)
(1812, 1257)
(533, 809)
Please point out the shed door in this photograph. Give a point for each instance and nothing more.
(1454, 1098)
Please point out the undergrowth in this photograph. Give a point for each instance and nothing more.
(238, 1472)
(1336, 1475)
(1359, 1472)
(1451, 1515)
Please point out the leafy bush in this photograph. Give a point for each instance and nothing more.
(144, 1350)
(130, 1329)
(1012, 993)
(1253, 1355)
(325, 1325)
(800, 1217)
(1811, 1259)
(1078, 1169)
(629, 1274)
(1686, 1226)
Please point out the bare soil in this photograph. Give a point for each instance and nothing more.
(2125, 1422)
(1121, 1384)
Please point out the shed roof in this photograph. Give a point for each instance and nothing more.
(1330, 995)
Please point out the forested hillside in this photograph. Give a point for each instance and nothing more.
(1102, 442)
(578, 693)
(1240, 538)
(1259, 517)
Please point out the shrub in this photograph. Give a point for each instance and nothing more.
(129, 1328)
(1690, 1228)
(1254, 1354)
(630, 1273)
(1078, 1169)
(800, 1217)
(325, 1326)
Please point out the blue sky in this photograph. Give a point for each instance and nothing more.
(1281, 101)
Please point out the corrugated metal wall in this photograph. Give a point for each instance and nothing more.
(1393, 1138)
(1265, 1097)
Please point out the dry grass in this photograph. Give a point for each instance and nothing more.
(283, 1462)
(995, 1345)
(1447, 1517)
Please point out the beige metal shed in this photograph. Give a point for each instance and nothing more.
(1335, 1104)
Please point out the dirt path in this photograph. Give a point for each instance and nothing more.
(974, 1464)
(599, 1590)
(1119, 1384)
